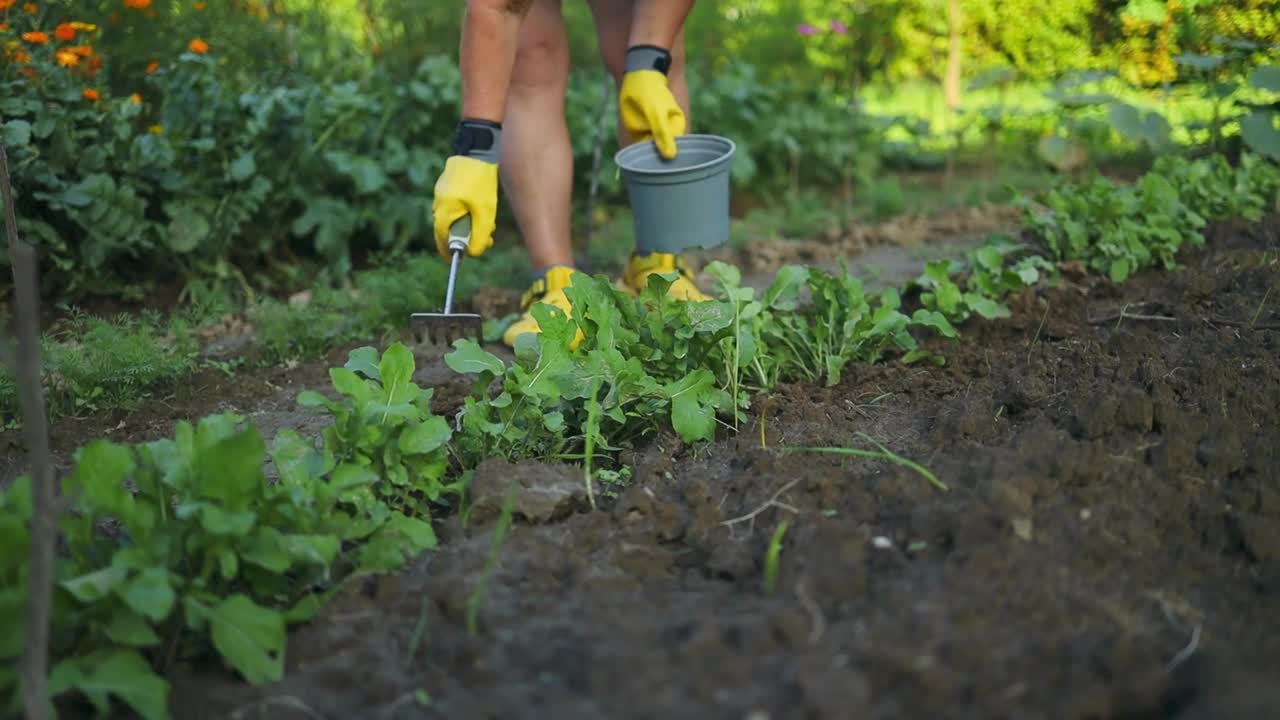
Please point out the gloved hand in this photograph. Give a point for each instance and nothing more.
(649, 111)
(469, 186)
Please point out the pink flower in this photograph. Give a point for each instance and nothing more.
(838, 27)
(806, 29)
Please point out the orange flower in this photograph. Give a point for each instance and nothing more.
(91, 95)
(36, 38)
(30, 8)
(199, 46)
(136, 99)
(200, 6)
(4, 27)
(64, 32)
(21, 56)
(6, 4)
(152, 67)
(66, 58)
(82, 50)
(137, 4)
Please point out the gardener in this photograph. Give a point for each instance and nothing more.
(515, 70)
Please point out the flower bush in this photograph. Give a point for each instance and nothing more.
(159, 142)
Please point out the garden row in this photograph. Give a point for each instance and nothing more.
(183, 550)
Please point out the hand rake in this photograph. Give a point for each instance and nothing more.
(445, 327)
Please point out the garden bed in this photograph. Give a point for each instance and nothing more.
(1109, 545)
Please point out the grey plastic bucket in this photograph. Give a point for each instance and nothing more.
(683, 202)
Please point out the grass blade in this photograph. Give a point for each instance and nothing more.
(882, 453)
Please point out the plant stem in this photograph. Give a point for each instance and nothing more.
(1258, 313)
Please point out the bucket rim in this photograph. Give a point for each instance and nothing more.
(730, 149)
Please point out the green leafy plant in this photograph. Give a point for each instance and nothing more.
(93, 363)
(182, 549)
(993, 273)
(943, 295)
(1120, 229)
(642, 364)
(383, 424)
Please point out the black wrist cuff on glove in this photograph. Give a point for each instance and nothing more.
(480, 139)
(648, 57)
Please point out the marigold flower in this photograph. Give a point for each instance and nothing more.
(30, 8)
(20, 57)
(84, 26)
(91, 95)
(64, 32)
(156, 130)
(36, 38)
(6, 4)
(152, 67)
(4, 27)
(199, 46)
(82, 50)
(137, 4)
(66, 58)
(136, 99)
(200, 6)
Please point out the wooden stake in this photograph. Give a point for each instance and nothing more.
(35, 666)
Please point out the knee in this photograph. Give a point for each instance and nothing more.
(542, 61)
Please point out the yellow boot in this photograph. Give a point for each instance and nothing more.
(550, 290)
(636, 276)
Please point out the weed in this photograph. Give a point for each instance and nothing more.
(881, 453)
(772, 557)
(477, 597)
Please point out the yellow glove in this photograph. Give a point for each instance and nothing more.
(469, 186)
(649, 111)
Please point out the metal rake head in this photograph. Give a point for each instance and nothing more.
(446, 328)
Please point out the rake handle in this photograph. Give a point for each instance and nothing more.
(459, 241)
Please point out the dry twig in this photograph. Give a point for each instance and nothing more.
(772, 502)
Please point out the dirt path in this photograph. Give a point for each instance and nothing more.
(1109, 546)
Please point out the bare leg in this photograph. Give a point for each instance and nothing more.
(537, 159)
(613, 28)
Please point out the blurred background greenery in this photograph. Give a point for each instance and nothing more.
(176, 148)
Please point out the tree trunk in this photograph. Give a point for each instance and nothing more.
(951, 85)
(35, 666)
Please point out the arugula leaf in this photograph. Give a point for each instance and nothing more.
(128, 628)
(364, 361)
(249, 637)
(96, 585)
(934, 320)
(424, 437)
(120, 673)
(786, 287)
(149, 593)
(468, 358)
(693, 406)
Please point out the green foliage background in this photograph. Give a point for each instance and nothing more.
(311, 132)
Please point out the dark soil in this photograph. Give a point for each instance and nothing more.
(1109, 546)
